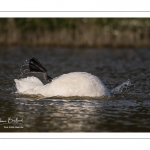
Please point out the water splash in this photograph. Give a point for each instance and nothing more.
(124, 87)
(22, 70)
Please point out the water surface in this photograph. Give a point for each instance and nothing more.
(128, 111)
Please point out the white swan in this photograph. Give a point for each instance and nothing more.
(71, 84)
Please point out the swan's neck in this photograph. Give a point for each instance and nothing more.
(47, 77)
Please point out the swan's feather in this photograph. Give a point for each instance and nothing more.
(71, 84)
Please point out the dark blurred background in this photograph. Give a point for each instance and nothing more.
(75, 32)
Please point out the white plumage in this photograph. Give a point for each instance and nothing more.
(71, 84)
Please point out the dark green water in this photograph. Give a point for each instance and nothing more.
(125, 112)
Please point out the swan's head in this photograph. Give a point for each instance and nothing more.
(35, 66)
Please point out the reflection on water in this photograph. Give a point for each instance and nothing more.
(125, 112)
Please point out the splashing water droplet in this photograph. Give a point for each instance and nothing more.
(124, 87)
(22, 71)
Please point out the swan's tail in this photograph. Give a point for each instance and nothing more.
(35, 66)
(28, 85)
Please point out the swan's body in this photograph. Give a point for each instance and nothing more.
(71, 84)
